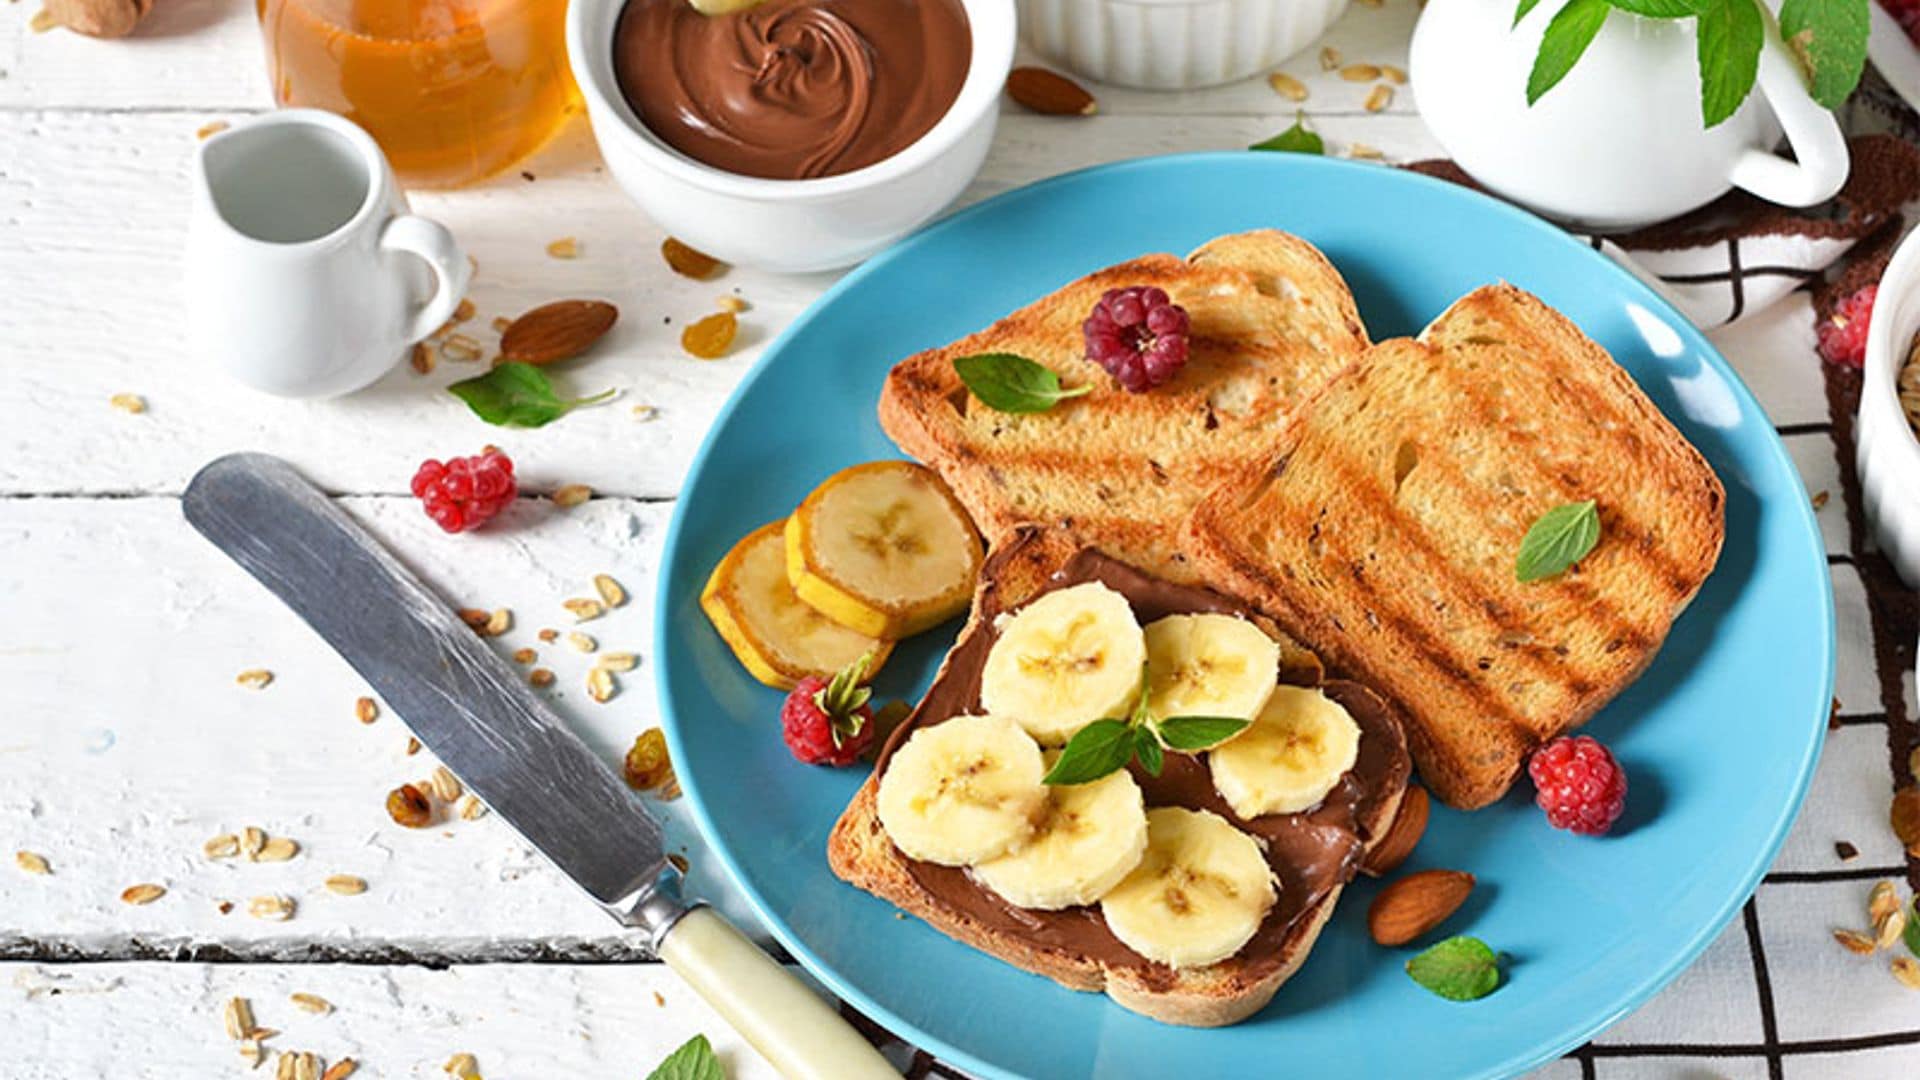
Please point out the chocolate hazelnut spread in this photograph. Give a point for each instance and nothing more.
(1311, 852)
(792, 89)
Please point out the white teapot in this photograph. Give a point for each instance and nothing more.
(1620, 142)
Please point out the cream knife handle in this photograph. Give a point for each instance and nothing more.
(797, 1032)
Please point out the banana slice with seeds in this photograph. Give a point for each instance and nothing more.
(1199, 893)
(1089, 837)
(962, 791)
(883, 549)
(777, 638)
(1070, 657)
(1209, 665)
(1295, 751)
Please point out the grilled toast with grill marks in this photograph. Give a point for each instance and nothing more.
(1272, 320)
(1382, 531)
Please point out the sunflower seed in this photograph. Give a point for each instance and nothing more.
(341, 1070)
(610, 590)
(1907, 970)
(278, 849)
(499, 622)
(1287, 86)
(346, 885)
(539, 677)
(564, 248)
(254, 678)
(1883, 899)
(581, 642)
(1381, 97)
(365, 710)
(1329, 58)
(1360, 72)
(584, 610)
(271, 908)
(142, 894)
(32, 862)
(600, 685)
(312, 1003)
(252, 842)
(446, 786)
(472, 809)
(618, 661)
(524, 655)
(1393, 74)
(1854, 942)
(571, 495)
(462, 1065)
(237, 1014)
(252, 1053)
(128, 403)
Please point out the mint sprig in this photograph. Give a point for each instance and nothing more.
(1296, 139)
(1731, 35)
(1458, 969)
(519, 395)
(1567, 37)
(1911, 935)
(694, 1060)
(1106, 746)
(1013, 384)
(1559, 538)
(1830, 38)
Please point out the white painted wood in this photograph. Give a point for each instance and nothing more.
(519, 1021)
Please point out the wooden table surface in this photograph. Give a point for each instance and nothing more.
(125, 742)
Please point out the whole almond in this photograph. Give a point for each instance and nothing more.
(1405, 832)
(1416, 904)
(1049, 93)
(557, 331)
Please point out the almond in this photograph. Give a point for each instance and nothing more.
(1416, 904)
(557, 331)
(1049, 93)
(1405, 832)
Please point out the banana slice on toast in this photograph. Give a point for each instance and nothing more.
(1199, 894)
(1294, 752)
(1089, 837)
(883, 549)
(1209, 665)
(779, 639)
(1069, 658)
(962, 791)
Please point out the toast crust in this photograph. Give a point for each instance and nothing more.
(860, 853)
(1406, 578)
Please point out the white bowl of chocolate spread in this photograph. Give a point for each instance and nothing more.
(793, 135)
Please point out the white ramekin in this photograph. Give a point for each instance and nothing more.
(1887, 452)
(1173, 44)
(792, 226)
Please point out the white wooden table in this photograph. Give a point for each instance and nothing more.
(125, 742)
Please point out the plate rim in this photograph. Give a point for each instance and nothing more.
(1543, 1051)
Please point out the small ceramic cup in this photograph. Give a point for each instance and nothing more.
(793, 226)
(1885, 447)
(306, 276)
(1173, 44)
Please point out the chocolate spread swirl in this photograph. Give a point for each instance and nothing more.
(1311, 852)
(792, 89)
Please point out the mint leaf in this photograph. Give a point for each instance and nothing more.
(1458, 969)
(1567, 36)
(1663, 9)
(1296, 139)
(1101, 747)
(1912, 933)
(517, 395)
(1146, 746)
(1013, 384)
(1199, 732)
(1521, 12)
(1561, 537)
(695, 1060)
(1731, 33)
(1830, 38)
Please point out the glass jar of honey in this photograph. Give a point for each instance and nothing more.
(453, 90)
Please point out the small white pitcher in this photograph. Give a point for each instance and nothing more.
(1619, 143)
(306, 276)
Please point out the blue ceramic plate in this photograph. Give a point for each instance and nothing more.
(1720, 736)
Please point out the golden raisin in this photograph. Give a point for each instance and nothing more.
(687, 262)
(648, 766)
(1906, 818)
(408, 806)
(708, 339)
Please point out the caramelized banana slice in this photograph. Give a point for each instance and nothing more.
(779, 639)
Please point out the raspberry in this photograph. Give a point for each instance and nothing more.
(829, 722)
(1138, 335)
(1579, 784)
(1843, 336)
(462, 493)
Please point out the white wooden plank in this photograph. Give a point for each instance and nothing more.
(153, 1021)
(203, 54)
(92, 220)
(127, 743)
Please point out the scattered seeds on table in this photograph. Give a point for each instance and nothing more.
(581, 642)
(413, 746)
(346, 885)
(422, 359)
(42, 21)
(278, 849)
(237, 1015)
(145, 893)
(611, 592)
(499, 622)
(1820, 499)
(600, 685)
(1907, 970)
(1329, 58)
(476, 618)
(1846, 851)
(500, 324)
(252, 842)
(464, 311)
(407, 805)
(254, 678)
(252, 1053)
(1381, 97)
(366, 710)
(312, 1003)
(1363, 152)
(619, 661)
(128, 403)
(689, 262)
(571, 495)
(461, 1066)
(731, 302)
(524, 655)
(472, 809)
(659, 999)
(297, 1065)
(679, 862)
(1360, 72)
(32, 862)
(644, 413)
(1883, 898)
(341, 1069)
(564, 248)
(540, 677)
(446, 786)
(211, 128)
(549, 635)
(1287, 86)
(1854, 942)
(272, 908)
(584, 610)
(1393, 74)
(460, 349)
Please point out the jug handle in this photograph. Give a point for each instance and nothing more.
(1821, 151)
(431, 241)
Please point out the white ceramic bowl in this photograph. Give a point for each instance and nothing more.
(1888, 454)
(792, 226)
(1173, 44)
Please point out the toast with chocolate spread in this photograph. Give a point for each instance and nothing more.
(1310, 854)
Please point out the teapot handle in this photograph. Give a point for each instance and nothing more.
(431, 241)
(1820, 163)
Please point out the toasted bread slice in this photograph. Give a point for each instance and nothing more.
(1271, 321)
(1222, 993)
(1383, 533)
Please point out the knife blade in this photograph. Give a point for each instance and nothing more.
(507, 746)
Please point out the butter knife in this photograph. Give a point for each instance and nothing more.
(508, 747)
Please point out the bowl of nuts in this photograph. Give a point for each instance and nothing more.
(1887, 433)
